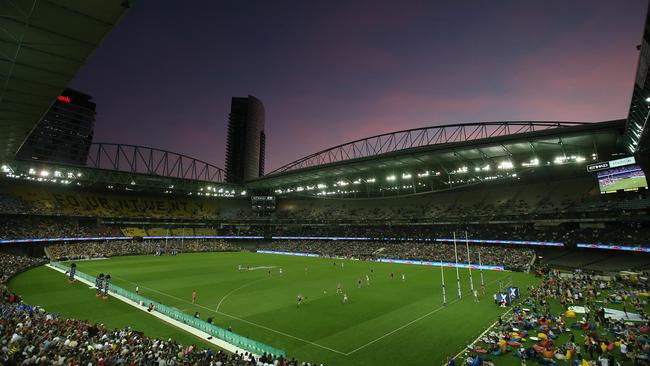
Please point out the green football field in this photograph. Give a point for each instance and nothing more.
(385, 322)
(626, 183)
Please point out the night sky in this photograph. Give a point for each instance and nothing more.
(332, 71)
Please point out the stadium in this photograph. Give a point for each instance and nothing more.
(477, 243)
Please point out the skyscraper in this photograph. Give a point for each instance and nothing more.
(65, 133)
(246, 140)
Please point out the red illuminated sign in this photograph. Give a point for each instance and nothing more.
(64, 98)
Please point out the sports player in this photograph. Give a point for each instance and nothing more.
(359, 283)
(280, 270)
(475, 295)
(345, 298)
(367, 279)
(339, 288)
(300, 298)
(107, 282)
(403, 277)
(73, 271)
(99, 283)
(392, 275)
(193, 296)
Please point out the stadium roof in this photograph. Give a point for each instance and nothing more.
(42, 45)
(443, 156)
(636, 131)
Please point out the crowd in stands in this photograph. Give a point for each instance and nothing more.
(113, 248)
(545, 328)
(29, 335)
(573, 198)
(511, 258)
(28, 227)
(633, 233)
(62, 201)
(517, 259)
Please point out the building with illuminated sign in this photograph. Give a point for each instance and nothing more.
(246, 140)
(65, 132)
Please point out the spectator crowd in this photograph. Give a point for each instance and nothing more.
(111, 248)
(29, 335)
(513, 258)
(546, 329)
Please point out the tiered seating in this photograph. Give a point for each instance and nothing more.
(158, 231)
(204, 231)
(63, 201)
(134, 231)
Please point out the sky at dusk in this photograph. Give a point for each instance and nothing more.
(332, 71)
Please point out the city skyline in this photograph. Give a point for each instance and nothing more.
(330, 73)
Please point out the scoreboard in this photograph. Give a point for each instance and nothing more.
(263, 203)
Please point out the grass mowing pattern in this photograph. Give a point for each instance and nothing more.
(386, 322)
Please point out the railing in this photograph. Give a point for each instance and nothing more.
(215, 331)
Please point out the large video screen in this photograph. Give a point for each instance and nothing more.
(627, 178)
(263, 203)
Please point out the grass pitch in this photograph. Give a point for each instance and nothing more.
(626, 184)
(385, 322)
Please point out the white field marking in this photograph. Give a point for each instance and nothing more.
(239, 288)
(240, 319)
(412, 321)
(300, 339)
(479, 337)
(198, 333)
(485, 331)
(402, 327)
(282, 333)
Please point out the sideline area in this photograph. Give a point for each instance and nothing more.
(203, 335)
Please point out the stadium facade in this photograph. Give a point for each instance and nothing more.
(509, 186)
(512, 172)
(65, 133)
(246, 142)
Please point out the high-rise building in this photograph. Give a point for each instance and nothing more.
(65, 133)
(246, 140)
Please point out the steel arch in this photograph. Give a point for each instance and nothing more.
(418, 137)
(151, 161)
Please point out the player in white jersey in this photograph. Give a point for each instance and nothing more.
(345, 298)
